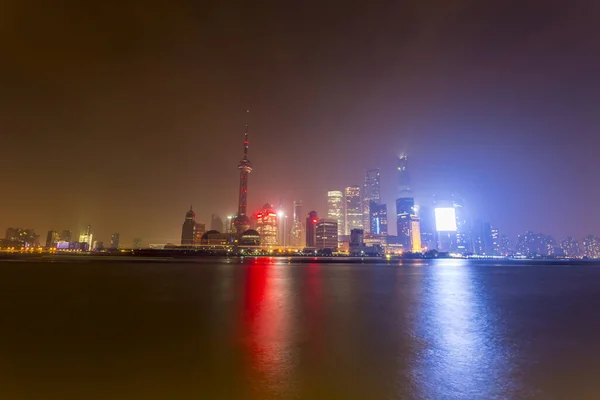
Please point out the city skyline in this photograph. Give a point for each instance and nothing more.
(500, 112)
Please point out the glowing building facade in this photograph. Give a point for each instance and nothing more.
(404, 189)
(371, 192)
(267, 226)
(87, 237)
(335, 209)
(570, 247)
(378, 218)
(591, 246)
(354, 212)
(297, 236)
(326, 234)
(405, 211)
(415, 234)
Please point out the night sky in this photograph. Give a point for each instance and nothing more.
(121, 113)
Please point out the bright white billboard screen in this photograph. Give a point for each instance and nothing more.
(445, 219)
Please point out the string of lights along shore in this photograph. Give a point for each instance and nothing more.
(355, 223)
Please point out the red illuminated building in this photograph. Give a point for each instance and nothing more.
(311, 229)
(267, 225)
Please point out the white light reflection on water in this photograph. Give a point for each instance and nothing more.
(461, 357)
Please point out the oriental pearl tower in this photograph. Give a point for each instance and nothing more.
(242, 222)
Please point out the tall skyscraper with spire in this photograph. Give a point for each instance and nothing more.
(242, 221)
(404, 189)
(407, 221)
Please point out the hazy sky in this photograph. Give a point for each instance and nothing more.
(122, 113)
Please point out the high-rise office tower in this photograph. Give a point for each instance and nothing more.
(427, 225)
(216, 223)
(405, 210)
(298, 237)
(311, 224)
(463, 239)
(404, 188)
(267, 226)
(326, 234)
(335, 209)
(354, 211)
(86, 237)
(137, 243)
(371, 192)
(114, 241)
(242, 221)
(52, 238)
(188, 228)
(378, 218)
(408, 223)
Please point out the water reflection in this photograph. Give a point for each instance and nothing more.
(462, 357)
(266, 335)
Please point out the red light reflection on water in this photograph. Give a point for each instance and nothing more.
(265, 328)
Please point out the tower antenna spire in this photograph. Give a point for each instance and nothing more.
(246, 136)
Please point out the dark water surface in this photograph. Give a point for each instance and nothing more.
(270, 330)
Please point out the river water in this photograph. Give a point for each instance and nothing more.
(270, 329)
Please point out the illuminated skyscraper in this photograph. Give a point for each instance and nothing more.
(298, 238)
(427, 225)
(335, 209)
(378, 218)
(404, 188)
(354, 211)
(267, 226)
(415, 234)
(188, 228)
(463, 238)
(326, 234)
(311, 225)
(371, 192)
(405, 210)
(114, 241)
(86, 237)
(408, 223)
(242, 222)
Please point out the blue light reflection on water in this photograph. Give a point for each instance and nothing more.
(462, 356)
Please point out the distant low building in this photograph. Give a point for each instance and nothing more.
(22, 238)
